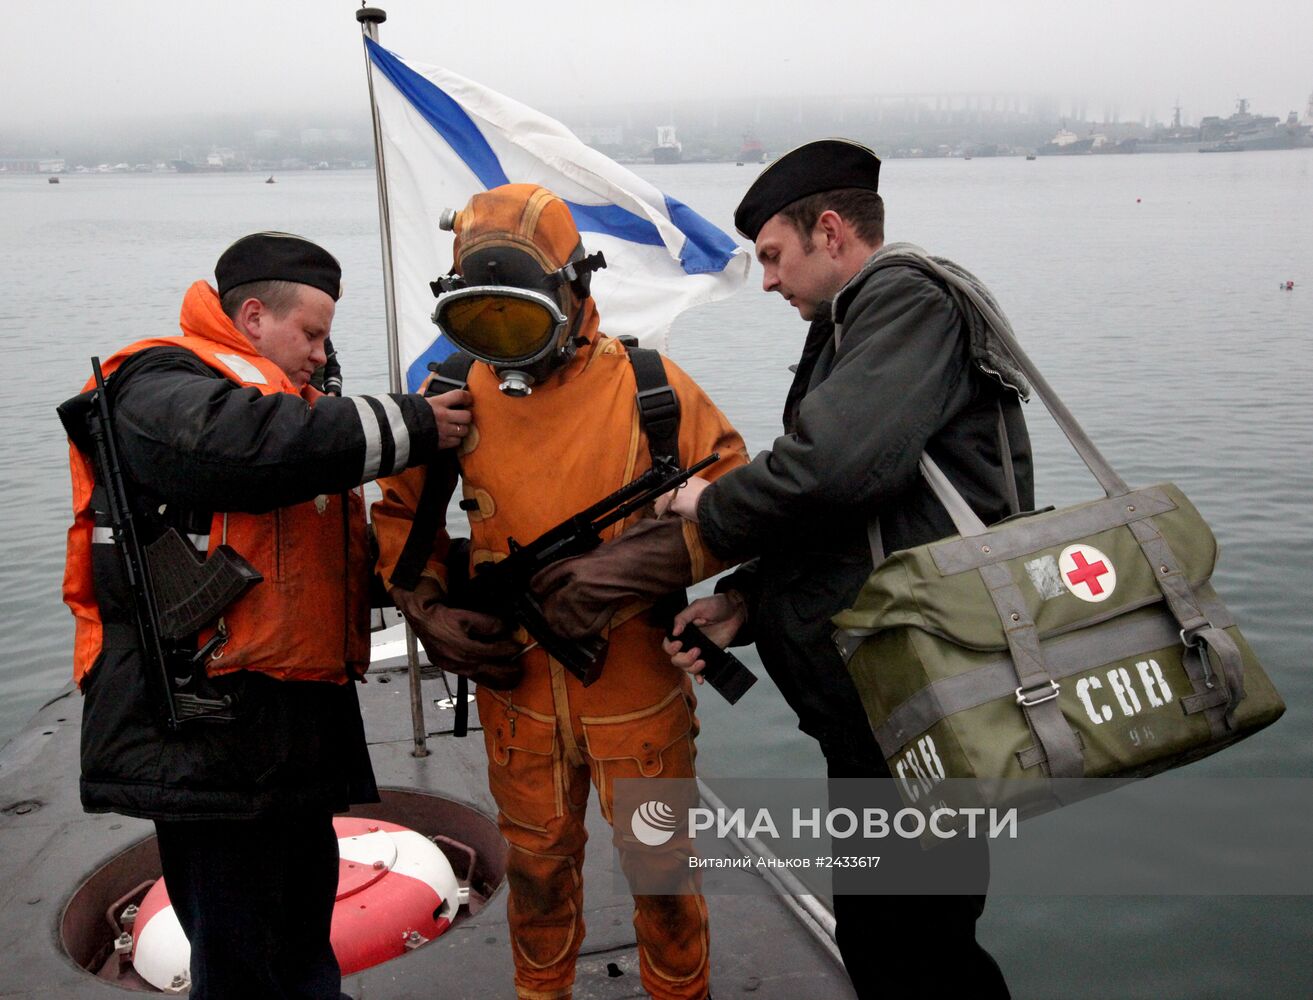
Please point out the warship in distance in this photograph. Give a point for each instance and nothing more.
(1245, 131)
(1239, 132)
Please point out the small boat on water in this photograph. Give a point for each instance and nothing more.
(668, 149)
(271, 180)
(52, 180)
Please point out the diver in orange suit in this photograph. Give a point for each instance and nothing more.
(556, 427)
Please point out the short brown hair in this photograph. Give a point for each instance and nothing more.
(861, 208)
(279, 297)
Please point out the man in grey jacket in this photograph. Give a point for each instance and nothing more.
(889, 370)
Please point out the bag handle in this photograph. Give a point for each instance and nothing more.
(964, 519)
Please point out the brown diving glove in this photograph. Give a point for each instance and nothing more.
(647, 562)
(467, 643)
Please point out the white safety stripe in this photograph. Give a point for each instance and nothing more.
(243, 369)
(400, 436)
(373, 438)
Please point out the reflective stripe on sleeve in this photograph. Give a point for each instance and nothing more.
(201, 543)
(400, 436)
(370, 425)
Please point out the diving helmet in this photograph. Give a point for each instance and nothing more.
(514, 295)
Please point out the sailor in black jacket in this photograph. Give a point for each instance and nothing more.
(219, 437)
(886, 373)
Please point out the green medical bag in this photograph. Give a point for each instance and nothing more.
(1075, 643)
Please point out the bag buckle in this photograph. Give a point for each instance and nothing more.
(660, 403)
(848, 642)
(1025, 700)
(1192, 640)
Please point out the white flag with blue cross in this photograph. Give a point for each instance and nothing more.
(446, 138)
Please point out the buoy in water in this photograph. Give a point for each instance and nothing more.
(271, 180)
(396, 890)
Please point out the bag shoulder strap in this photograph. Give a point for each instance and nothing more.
(1113, 485)
(658, 405)
(1005, 455)
(964, 519)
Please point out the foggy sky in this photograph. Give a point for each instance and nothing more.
(70, 62)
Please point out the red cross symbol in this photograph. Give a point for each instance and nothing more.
(1087, 573)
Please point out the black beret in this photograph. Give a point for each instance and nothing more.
(278, 257)
(823, 165)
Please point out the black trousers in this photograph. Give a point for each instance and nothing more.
(922, 945)
(255, 899)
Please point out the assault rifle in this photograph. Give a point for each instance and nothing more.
(194, 591)
(502, 588)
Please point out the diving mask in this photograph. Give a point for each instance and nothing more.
(501, 324)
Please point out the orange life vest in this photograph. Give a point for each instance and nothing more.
(308, 619)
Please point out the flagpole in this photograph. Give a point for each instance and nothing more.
(370, 18)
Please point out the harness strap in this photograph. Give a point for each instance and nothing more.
(460, 725)
(658, 406)
(452, 373)
(658, 412)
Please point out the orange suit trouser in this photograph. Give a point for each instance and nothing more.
(546, 739)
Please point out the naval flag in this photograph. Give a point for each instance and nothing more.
(446, 138)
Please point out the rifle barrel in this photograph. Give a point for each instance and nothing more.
(665, 482)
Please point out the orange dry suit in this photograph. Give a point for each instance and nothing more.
(528, 464)
(215, 441)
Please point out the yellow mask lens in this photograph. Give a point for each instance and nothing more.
(497, 327)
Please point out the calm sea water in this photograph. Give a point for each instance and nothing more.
(1145, 287)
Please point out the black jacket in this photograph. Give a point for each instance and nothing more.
(192, 443)
(858, 416)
